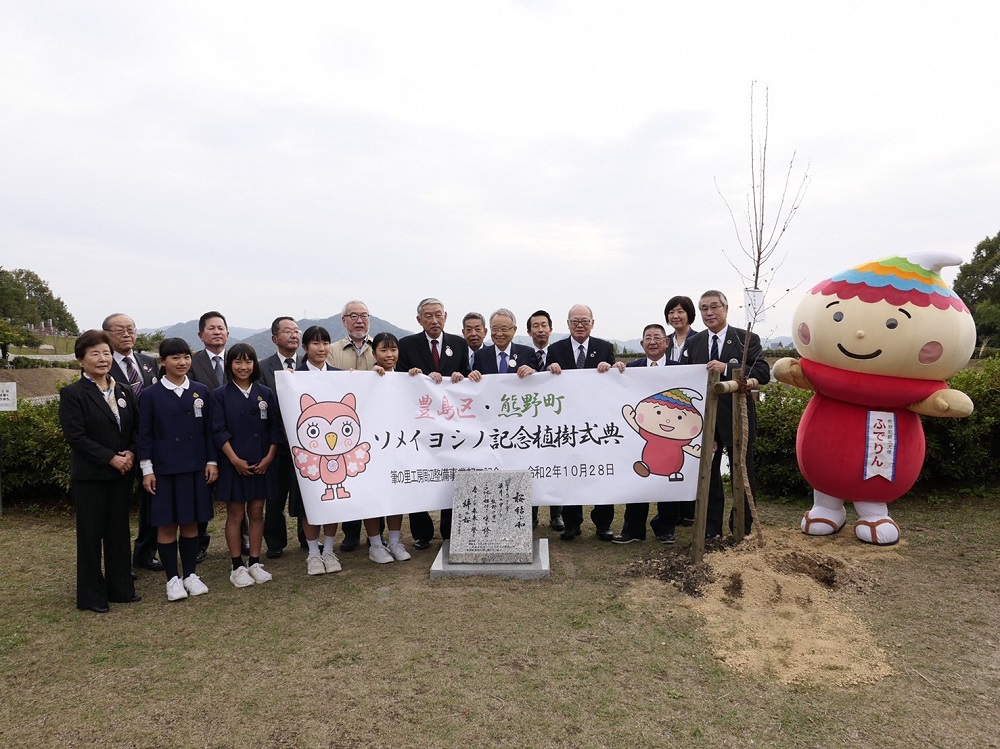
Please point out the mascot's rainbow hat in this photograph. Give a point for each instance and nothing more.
(914, 279)
(673, 399)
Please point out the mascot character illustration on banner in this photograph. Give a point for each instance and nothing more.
(668, 422)
(329, 433)
(877, 342)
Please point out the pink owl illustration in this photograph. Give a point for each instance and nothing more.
(330, 435)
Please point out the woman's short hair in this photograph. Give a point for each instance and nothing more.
(385, 337)
(242, 351)
(174, 346)
(685, 304)
(89, 339)
(315, 333)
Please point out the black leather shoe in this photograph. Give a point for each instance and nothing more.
(625, 538)
(98, 609)
(134, 599)
(557, 523)
(349, 544)
(421, 543)
(605, 534)
(201, 556)
(666, 538)
(274, 553)
(569, 534)
(152, 563)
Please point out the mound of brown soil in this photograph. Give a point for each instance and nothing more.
(783, 610)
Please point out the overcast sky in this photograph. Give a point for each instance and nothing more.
(164, 159)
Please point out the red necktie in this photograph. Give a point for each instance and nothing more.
(435, 356)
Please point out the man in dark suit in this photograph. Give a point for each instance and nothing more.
(720, 348)
(474, 332)
(438, 355)
(208, 367)
(138, 371)
(503, 357)
(286, 337)
(540, 328)
(582, 351)
(654, 344)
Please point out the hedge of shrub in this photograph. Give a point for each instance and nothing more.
(959, 451)
(28, 362)
(34, 456)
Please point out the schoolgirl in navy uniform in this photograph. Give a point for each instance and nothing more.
(316, 343)
(178, 462)
(246, 431)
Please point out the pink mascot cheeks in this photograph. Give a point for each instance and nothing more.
(877, 342)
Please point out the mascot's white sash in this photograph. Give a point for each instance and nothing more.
(880, 450)
(368, 446)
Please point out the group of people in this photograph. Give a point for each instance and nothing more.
(205, 425)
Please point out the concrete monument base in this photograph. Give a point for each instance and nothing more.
(536, 570)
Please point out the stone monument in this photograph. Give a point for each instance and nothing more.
(491, 528)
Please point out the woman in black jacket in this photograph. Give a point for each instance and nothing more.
(100, 420)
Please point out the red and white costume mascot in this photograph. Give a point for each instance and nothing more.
(877, 342)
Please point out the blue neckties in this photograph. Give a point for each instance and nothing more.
(715, 348)
(503, 362)
(581, 358)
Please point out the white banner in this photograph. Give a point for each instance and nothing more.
(368, 446)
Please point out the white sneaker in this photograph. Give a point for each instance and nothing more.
(194, 586)
(380, 555)
(330, 562)
(259, 574)
(175, 589)
(314, 565)
(240, 577)
(399, 552)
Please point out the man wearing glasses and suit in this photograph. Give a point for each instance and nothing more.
(720, 348)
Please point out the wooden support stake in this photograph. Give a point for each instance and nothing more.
(735, 465)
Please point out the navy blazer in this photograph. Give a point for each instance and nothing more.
(670, 345)
(563, 353)
(237, 419)
(171, 435)
(696, 351)
(202, 370)
(486, 358)
(304, 367)
(415, 351)
(91, 430)
(148, 370)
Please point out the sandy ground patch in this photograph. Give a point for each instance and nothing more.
(783, 611)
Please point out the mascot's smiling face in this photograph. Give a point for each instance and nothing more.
(891, 317)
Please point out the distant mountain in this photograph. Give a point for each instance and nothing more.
(189, 332)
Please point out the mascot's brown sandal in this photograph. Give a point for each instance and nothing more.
(873, 527)
(824, 521)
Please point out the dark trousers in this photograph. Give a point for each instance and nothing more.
(555, 511)
(145, 538)
(636, 514)
(102, 510)
(601, 515)
(422, 526)
(275, 528)
(717, 496)
(669, 515)
(352, 530)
